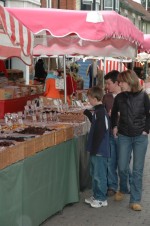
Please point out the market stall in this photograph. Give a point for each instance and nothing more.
(43, 171)
(44, 180)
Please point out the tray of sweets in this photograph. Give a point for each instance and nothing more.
(34, 130)
(71, 117)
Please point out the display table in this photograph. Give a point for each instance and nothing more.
(84, 175)
(15, 105)
(14, 74)
(37, 187)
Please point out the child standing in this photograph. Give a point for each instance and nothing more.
(98, 146)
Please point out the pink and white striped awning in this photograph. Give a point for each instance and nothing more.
(15, 39)
(146, 44)
(94, 33)
(112, 65)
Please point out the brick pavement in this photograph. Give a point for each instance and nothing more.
(116, 214)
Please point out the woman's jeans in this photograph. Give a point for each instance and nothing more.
(112, 177)
(127, 145)
(98, 172)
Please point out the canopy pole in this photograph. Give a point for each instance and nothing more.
(27, 79)
(104, 72)
(48, 64)
(65, 84)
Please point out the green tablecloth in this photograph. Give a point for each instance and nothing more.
(37, 187)
(84, 175)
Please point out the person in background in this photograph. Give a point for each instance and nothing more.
(92, 71)
(100, 78)
(50, 85)
(113, 88)
(71, 85)
(132, 129)
(99, 148)
(40, 73)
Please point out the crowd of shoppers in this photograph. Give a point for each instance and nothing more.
(128, 108)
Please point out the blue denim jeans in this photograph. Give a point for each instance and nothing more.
(98, 172)
(127, 145)
(92, 80)
(112, 179)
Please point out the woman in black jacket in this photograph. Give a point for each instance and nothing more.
(133, 107)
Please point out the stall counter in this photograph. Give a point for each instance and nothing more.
(15, 105)
(37, 187)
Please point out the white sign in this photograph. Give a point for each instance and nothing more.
(94, 17)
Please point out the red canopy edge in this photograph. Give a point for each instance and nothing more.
(15, 39)
(61, 23)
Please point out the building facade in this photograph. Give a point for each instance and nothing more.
(128, 8)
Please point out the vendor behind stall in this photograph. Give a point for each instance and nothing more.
(71, 86)
(40, 72)
(50, 85)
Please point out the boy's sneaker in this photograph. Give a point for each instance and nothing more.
(98, 203)
(89, 200)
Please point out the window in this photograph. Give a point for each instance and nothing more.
(117, 5)
(111, 5)
(88, 4)
(108, 4)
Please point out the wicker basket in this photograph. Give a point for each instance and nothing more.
(71, 117)
(4, 158)
(49, 139)
(29, 147)
(69, 132)
(59, 136)
(16, 152)
(39, 143)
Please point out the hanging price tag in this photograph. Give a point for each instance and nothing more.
(26, 108)
(20, 121)
(44, 116)
(34, 118)
(29, 102)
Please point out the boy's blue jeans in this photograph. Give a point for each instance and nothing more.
(127, 145)
(98, 172)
